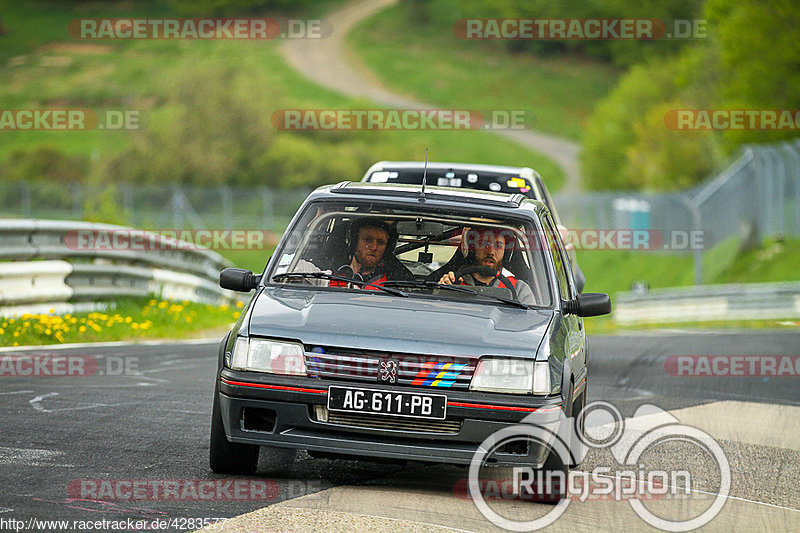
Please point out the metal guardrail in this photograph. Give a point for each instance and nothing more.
(41, 263)
(709, 302)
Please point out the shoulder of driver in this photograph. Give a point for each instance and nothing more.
(523, 290)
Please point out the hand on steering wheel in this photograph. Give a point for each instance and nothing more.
(486, 271)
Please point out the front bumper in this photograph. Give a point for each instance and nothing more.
(287, 406)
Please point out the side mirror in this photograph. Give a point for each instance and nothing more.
(589, 304)
(238, 279)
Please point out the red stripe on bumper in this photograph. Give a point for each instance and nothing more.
(453, 404)
(504, 407)
(274, 387)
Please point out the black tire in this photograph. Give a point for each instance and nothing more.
(578, 446)
(555, 465)
(560, 474)
(227, 457)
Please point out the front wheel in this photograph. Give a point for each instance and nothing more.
(227, 457)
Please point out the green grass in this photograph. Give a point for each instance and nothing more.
(613, 271)
(607, 326)
(125, 319)
(426, 61)
(41, 66)
(774, 261)
(253, 260)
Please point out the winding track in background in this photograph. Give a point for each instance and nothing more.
(327, 63)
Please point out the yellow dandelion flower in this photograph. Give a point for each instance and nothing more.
(82, 329)
(128, 319)
(2, 331)
(16, 344)
(16, 333)
(59, 336)
(239, 304)
(152, 302)
(162, 305)
(134, 325)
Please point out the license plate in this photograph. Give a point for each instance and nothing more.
(383, 402)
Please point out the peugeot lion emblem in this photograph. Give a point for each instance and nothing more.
(388, 371)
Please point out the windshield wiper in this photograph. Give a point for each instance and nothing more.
(458, 288)
(325, 275)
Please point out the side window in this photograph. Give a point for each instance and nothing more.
(558, 259)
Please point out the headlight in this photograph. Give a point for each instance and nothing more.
(511, 376)
(275, 357)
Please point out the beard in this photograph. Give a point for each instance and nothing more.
(489, 261)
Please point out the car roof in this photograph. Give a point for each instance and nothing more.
(410, 195)
(523, 172)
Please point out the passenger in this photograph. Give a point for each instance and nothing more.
(370, 242)
(488, 248)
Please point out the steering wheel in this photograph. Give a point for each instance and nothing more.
(487, 271)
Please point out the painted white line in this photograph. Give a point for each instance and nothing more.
(641, 482)
(17, 392)
(182, 411)
(350, 513)
(35, 402)
(111, 344)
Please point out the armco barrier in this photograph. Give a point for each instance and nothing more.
(39, 265)
(31, 282)
(710, 302)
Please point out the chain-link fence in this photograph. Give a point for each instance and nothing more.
(757, 196)
(159, 207)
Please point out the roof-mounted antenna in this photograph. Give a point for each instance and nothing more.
(424, 177)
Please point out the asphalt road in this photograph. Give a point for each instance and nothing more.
(151, 423)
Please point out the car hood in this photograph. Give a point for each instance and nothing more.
(373, 321)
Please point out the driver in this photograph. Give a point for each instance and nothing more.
(487, 248)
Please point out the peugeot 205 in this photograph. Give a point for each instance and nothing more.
(403, 323)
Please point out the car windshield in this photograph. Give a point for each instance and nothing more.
(350, 245)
